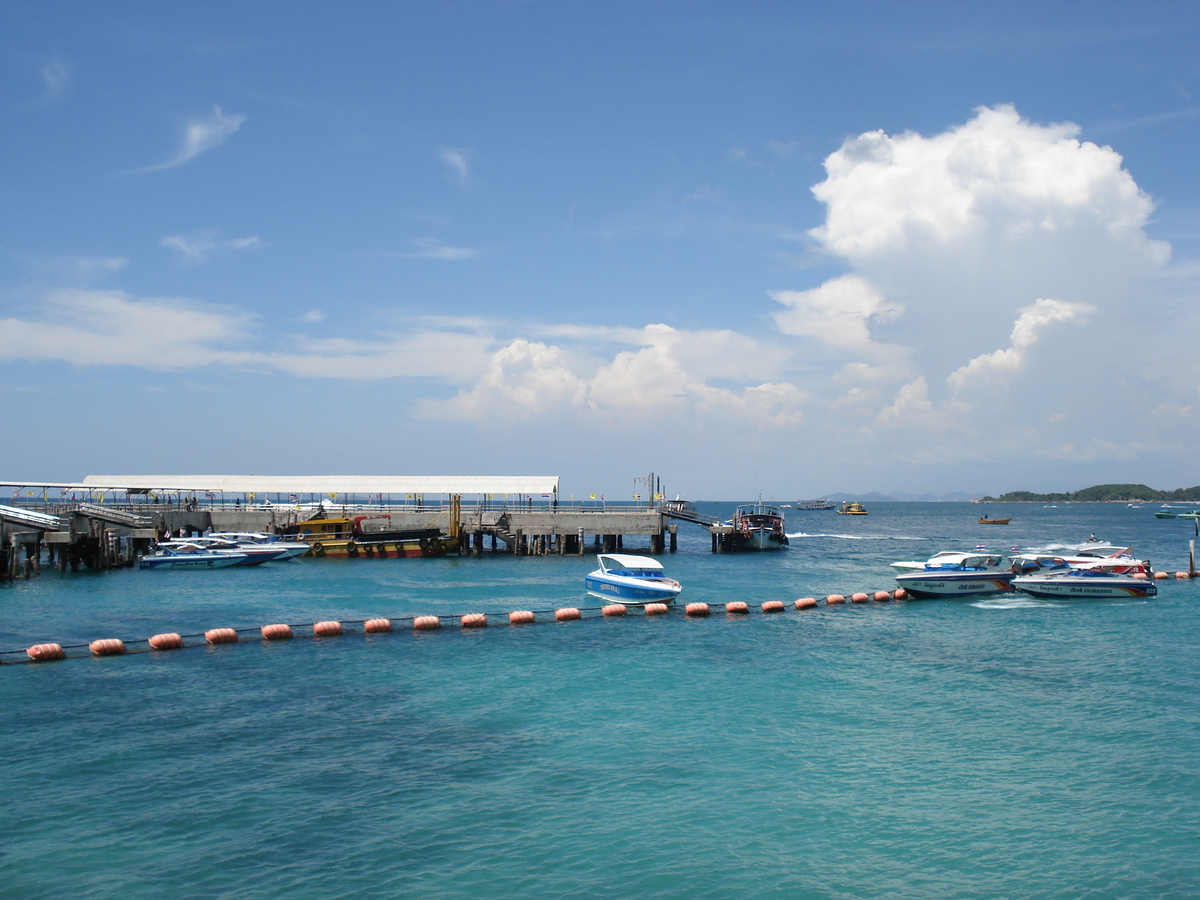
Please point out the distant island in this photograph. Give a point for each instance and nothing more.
(1123, 493)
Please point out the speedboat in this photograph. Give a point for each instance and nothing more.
(185, 555)
(951, 574)
(631, 580)
(935, 560)
(251, 539)
(1121, 559)
(255, 554)
(1097, 578)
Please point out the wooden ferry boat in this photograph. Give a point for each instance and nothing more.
(986, 521)
(347, 538)
(852, 508)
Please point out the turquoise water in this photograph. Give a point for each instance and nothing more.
(995, 748)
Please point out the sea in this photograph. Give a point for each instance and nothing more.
(974, 748)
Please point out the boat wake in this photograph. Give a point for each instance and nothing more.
(1011, 602)
(855, 537)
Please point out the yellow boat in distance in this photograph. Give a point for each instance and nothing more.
(852, 508)
(986, 521)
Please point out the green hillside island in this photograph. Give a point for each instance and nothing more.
(1123, 493)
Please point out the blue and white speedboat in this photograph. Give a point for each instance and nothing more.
(951, 574)
(191, 556)
(631, 580)
(1097, 579)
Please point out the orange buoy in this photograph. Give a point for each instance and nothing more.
(168, 641)
(520, 617)
(1140, 576)
(655, 609)
(1159, 576)
(882, 596)
(371, 626)
(737, 606)
(327, 629)
(806, 603)
(834, 599)
(43, 652)
(697, 609)
(220, 636)
(899, 593)
(426, 623)
(1182, 575)
(107, 647)
(859, 597)
(276, 632)
(614, 609)
(566, 614)
(772, 606)
(474, 620)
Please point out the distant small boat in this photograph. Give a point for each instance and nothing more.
(986, 521)
(631, 580)
(1171, 512)
(852, 508)
(814, 504)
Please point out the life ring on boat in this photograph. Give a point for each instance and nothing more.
(424, 542)
(317, 549)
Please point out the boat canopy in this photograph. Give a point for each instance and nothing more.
(610, 561)
(339, 485)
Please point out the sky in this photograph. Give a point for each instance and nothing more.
(781, 248)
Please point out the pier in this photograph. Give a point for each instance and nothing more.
(108, 521)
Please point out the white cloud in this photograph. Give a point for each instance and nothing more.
(56, 76)
(1003, 365)
(524, 379)
(838, 312)
(110, 328)
(666, 375)
(448, 356)
(199, 245)
(993, 233)
(911, 403)
(998, 175)
(200, 136)
(458, 163)
(431, 248)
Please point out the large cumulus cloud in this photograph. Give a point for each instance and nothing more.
(970, 250)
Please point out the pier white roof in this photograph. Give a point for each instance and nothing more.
(328, 484)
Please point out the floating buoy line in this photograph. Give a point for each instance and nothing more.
(168, 641)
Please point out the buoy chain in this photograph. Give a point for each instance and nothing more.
(333, 628)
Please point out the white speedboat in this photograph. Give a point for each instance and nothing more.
(1120, 559)
(183, 555)
(954, 574)
(249, 539)
(935, 560)
(1097, 579)
(631, 580)
(255, 554)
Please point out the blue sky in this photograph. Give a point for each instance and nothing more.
(794, 248)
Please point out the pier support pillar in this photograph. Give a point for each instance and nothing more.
(579, 543)
(673, 530)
